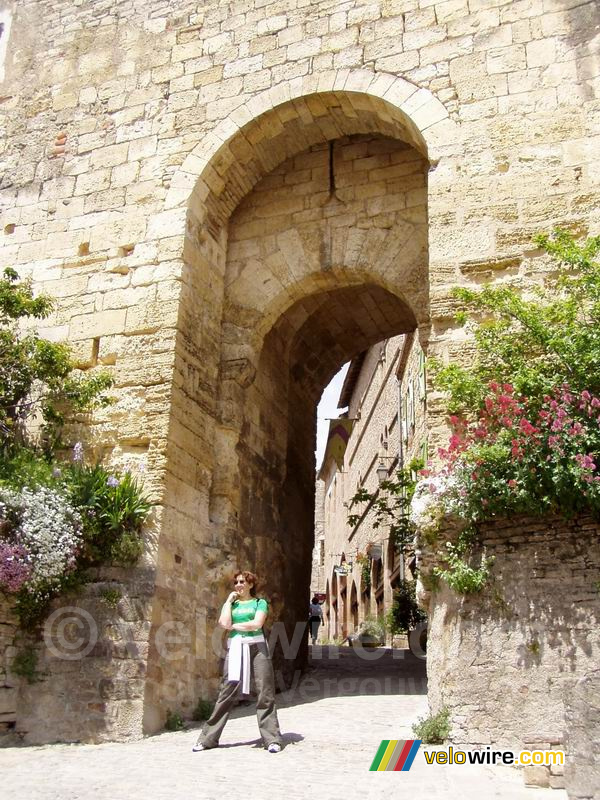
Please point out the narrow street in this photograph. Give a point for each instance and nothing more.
(333, 720)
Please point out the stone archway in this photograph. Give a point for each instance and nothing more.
(257, 299)
(253, 139)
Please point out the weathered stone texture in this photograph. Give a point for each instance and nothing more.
(144, 185)
(582, 723)
(8, 681)
(524, 644)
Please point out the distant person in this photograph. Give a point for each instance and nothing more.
(315, 618)
(243, 615)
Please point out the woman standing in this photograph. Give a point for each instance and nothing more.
(243, 615)
(315, 618)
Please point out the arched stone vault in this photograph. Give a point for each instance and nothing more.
(293, 115)
(294, 261)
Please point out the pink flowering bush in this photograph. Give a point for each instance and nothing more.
(525, 424)
(522, 457)
(15, 567)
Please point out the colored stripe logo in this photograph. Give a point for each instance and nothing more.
(395, 755)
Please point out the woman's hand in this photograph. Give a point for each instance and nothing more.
(233, 596)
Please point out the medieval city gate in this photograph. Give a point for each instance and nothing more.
(214, 241)
(306, 242)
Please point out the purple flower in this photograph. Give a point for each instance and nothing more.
(56, 473)
(14, 567)
(77, 453)
(112, 481)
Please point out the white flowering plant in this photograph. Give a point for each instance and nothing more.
(56, 519)
(52, 531)
(40, 539)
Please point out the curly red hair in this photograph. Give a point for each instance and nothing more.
(249, 577)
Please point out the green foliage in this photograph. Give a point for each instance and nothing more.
(365, 571)
(405, 614)
(526, 411)
(433, 730)
(111, 597)
(17, 301)
(25, 664)
(203, 710)
(37, 376)
(390, 504)
(32, 603)
(534, 344)
(534, 647)
(26, 467)
(459, 574)
(174, 721)
(372, 626)
(113, 509)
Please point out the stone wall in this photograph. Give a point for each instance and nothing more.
(89, 670)
(506, 663)
(582, 769)
(133, 132)
(8, 681)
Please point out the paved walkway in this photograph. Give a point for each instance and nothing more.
(333, 721)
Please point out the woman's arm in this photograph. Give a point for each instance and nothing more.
(254, 624)
(225, 618)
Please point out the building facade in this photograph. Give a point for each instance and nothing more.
(385, 392)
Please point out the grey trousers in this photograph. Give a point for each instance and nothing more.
(266, 713)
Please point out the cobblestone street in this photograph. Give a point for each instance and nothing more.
(333, 720)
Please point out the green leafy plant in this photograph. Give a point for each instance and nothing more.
(25, 664)
(534, 647)
(526, 411)
(365, 571)
(372, 626)
(174, 721)
(434, 729)
(113, 508)
(534, 344)
(405, 614)
(203, 710)
(389, 505)
(37, 376)
(32, 602)
(111, 597)
(460, 573)
(56, 519)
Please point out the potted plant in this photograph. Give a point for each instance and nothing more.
(371, 633)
